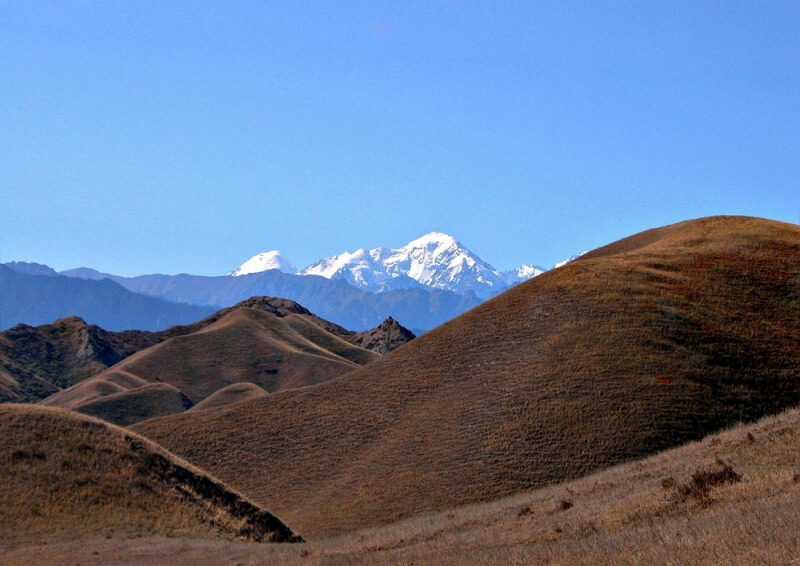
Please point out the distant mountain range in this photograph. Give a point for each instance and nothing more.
(43, 297)
(435, 260)
(419, 309)
(423, 284)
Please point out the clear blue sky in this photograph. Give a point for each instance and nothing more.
(141, 137)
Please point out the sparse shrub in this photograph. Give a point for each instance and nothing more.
(524, 511)
(699, 487)
(668, 483)
(564, 504)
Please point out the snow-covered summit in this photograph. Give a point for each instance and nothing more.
(263, 262)
(435, 260)
(438, 260)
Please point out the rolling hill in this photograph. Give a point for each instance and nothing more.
(36, 362)
(274, 351)
(67, 476)
(636, 347)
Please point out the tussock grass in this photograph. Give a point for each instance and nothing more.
(646, 344)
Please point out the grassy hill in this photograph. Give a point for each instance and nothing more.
(36, 362)
(244, 344)
(69, 476)
(637, 347)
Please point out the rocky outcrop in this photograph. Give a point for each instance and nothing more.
(388, 336)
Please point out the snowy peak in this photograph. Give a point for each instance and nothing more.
(433, 241)
(264, 262)
(439, 261)
(435, 260)
(362, 269)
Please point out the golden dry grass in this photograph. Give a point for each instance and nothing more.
(66, 476)
(636, 513)
(243, 345)
(640, 346)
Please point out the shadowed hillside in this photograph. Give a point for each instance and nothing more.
(68, 476)
(639, 346)
(243, 345)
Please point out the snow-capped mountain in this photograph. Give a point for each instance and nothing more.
(435, 260)
(362, 269)
(263, 262)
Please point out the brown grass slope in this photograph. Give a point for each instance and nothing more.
(245, 344)
(68, 476)
(731, 498)
(640, 346)
(36, 362)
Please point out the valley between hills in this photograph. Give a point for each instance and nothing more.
(637, 405)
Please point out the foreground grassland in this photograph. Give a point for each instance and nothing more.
(732, 498)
